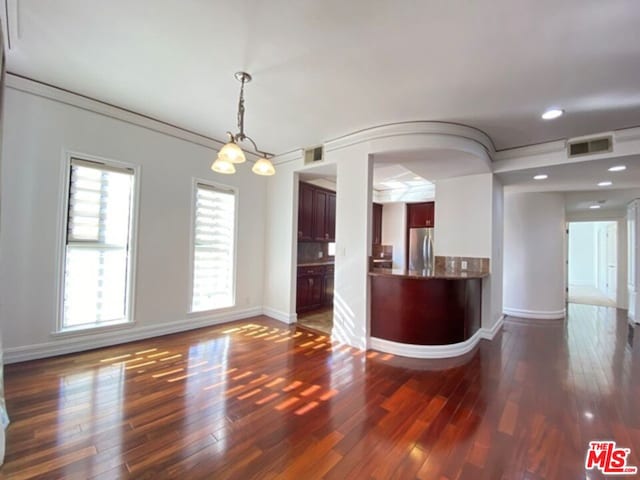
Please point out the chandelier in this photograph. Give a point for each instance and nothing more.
(231, 153)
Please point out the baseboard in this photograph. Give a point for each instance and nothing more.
(425, 351)
(436, 351)
(535, 314)
(91, 340)
(279, 315)
(489, 333)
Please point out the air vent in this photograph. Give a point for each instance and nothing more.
(590, 146)
(312, 155)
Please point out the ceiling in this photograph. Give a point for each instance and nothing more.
(435, 163)
(394, 177)
(325, 69)
(576, 176)
(579, 181)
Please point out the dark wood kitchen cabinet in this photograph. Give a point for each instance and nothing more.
(328, 286)
(376, 237)
(314, 288)
(420, 214)
(331, 217)
(316, 214)
(320, 233)
(305, 212)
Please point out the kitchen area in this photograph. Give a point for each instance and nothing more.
(417, 298)
(391, 231)
(420, 300)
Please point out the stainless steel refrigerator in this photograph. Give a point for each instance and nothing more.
(421, 249)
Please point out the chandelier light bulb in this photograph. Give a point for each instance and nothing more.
(222, 165)
(231, 152)
(263, 167)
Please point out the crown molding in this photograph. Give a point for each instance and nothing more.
(558, 146)
(291, 156)
(411, 129)
(627, 134)
(51, 92)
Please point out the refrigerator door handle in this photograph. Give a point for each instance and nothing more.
(425, 258)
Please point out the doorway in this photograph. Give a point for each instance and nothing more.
(592, 263)
(316, 249)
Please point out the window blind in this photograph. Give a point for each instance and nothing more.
(213, 248)
(97, 247)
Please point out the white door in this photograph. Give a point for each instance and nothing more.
(612, 262)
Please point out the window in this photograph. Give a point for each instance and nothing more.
(213, 248)
(98, 250)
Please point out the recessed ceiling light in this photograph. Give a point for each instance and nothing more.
(594, 207)
(605, 184)
(541, 177)
(552, 113)
(618, 168)
(417, 178)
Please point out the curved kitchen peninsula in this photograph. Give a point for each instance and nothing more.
(425, 314)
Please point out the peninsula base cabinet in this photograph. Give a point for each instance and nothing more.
(314, 288)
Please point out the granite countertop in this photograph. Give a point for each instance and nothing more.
(319, 263)
(426, 274)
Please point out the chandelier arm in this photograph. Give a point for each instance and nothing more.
(255, 147)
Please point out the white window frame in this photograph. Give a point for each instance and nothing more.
(63, 219)
(192, 243)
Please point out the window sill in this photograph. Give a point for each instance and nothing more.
(205, 313)
(88, 330)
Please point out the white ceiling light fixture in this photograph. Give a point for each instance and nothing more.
(618, 168)
(552, 113)
(605, 184)
(542, 176)
(231, 153)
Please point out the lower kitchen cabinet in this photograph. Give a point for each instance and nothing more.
(314, 288)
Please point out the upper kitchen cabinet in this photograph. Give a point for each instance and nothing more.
(316, 214)
(376, 237)
(420, 214)
(320, 233)
(331, 216)
(305, 212)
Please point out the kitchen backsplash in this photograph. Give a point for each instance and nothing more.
(382, 251)
(455, 264)
(313, 252)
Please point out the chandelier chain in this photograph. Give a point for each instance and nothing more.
(241, 135)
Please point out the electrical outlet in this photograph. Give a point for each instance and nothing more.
(463, 264)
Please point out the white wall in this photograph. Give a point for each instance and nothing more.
(353, 245)
(582, 254)
(394, 227)
(37, 133)
(280, 239)
(463, 216)
(492, 286)
(534, 263)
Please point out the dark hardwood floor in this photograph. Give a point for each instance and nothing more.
(257, 399)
